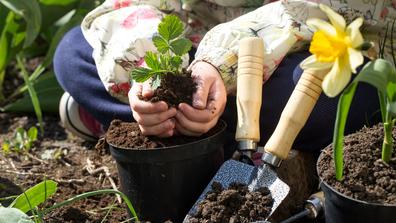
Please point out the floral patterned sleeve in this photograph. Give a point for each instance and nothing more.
(282, 26)
(120, 33)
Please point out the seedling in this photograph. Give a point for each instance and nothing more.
(171, 46)
(21, 142)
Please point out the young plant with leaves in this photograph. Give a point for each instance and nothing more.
(21, 142)
(171, 46)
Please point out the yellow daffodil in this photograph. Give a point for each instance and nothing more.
(334, 46)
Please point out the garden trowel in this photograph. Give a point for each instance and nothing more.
(293, 118)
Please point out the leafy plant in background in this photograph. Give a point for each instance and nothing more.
(38, 194)
(33, 29)
(171, 47)
(21, 142)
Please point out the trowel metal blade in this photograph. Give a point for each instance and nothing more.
(255, 177)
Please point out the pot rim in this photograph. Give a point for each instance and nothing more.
(174, 146)
(343, 195)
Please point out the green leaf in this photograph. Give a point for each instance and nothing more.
(74, 21)
(30, 11)
(141, 74)
(161, 44)
(6, 147)
(151, 60)
(8, 215)
(181, 46)
(377, 73)
(57, 2)
(32, 134)
(176, 61)
(35, 195)
(170, 27)
(48, 91)
(344, 104)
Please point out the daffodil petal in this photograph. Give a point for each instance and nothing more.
(311, 63)
(353, 31)
(336, 19)
(337, 79)
(355, 58)
(323, 26)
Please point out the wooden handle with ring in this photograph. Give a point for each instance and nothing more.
(249, 88)
(296, 113)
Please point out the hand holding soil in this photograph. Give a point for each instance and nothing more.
(208, 103)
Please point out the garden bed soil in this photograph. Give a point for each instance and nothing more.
(75, 165)
(366, 176)
(234, 204)
(128, 135)
(175, 89)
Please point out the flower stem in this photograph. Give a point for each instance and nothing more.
(387, 145)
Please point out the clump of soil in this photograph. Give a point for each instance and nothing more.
(366, 176)
(235, 204)
(77, 168)
(128, 135)
(175, 89)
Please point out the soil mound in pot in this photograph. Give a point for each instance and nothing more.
(366, 176)
(235, 204)
(175, 89)
(128, 135)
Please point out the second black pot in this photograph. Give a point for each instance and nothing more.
(340, 208)
(163, 183)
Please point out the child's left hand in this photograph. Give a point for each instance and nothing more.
(208, 102)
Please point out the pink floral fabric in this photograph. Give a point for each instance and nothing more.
(120, 31)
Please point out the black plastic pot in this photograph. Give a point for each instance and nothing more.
(164, 183)
(340, 208)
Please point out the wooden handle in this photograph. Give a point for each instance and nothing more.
(249, 88)
(295, 114)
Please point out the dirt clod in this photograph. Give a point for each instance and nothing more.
(235, 204)
(366, 176)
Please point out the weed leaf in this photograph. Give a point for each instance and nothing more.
(35, 195)
(13, 215)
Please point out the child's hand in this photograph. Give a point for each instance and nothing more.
(153, 118)
(208, 102)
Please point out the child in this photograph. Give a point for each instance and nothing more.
(93, 64)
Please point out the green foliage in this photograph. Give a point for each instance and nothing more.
(170, 46)
(13, 215)
(39, 193)
(31, 29)
(35, 196)
(381, 74)
(21, 142)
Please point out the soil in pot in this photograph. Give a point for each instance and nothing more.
(128, 135)
(174, 89)
(366, 176)
(235, 204)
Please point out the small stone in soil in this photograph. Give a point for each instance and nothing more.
(235, 204)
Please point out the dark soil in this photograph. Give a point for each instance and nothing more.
(175, 89)
(71, 168)
(235, 204)
(128, 135)
(366, 176)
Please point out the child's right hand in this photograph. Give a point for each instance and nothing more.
(153, 118)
